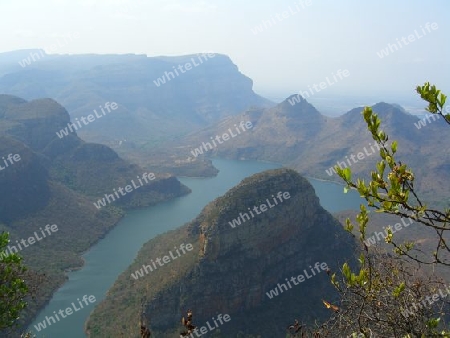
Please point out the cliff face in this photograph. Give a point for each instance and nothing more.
(87, 168)
(24, 184)
(210, 91)
(237, 266)
(45, 179)
(232, 269)
(219, 239)
(156, 99)
(34, 123)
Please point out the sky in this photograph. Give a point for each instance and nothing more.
(301, 43)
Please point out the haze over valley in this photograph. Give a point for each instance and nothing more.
(204, 168)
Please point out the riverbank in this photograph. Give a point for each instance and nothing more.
(60, 266)
(122, 243)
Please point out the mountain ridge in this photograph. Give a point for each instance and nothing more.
(147, 114)
(300, 137)
(48, 180)
(231, 269)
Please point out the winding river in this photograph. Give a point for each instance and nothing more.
(113, 254)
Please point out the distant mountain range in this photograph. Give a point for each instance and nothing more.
(211, 89)
(150, 112)
(157, 125)
(298, 136)
(172, 127)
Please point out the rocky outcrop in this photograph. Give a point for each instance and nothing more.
(24, 183)
(34, 123)
(45, 179)
(90, 169)
(235, 267)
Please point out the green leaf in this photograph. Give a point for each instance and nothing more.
(348, 225)
(361, 259)
(367, 112)
(347, 174)
(398, 290)
(442, 100)
(346, 272)
(394, 147)
(381, 166)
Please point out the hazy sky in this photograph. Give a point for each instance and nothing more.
(310, 42)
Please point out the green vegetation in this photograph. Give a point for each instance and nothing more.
(378, 297)
(231, 268)
(119, 314)
(56, 182)
(388, 295)
(13, 288)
